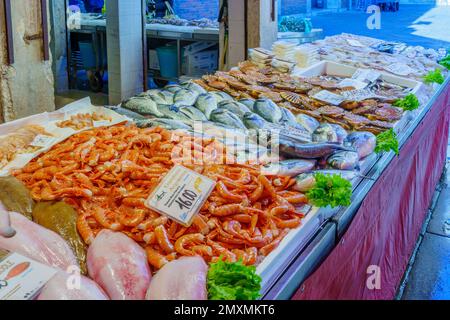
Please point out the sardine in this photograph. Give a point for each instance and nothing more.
(142, 105)
(235, 107)
(363, 142)
(249, 103)
(306, 181)
(344, 160)
(309, 123)
(185, 98)
(290, 168)
(206, 103)
(193, 113)
(227, 118)
(290, 148)
(325, 133)
(268, 110)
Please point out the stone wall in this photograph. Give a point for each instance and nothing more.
(26, 87)
(197, 9)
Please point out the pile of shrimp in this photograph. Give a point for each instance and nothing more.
(106, 174)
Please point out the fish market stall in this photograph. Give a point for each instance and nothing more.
(236, 185)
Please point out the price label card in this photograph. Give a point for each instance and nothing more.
(181, 194)
(43, 141)
(353, 83)
(22, 278)
(366, 75)
(329, 97)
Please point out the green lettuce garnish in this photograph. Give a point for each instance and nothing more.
(434, 77)
(410, 102)
(233, 281)
(387, 141)
(330, 190)
(445, 62)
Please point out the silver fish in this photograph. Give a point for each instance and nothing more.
(268, 110)
(249, 103)
(254, 121)
(235, 107)
(172, 112)
(193, 87)
(363, 142)
(340, 132)
(206, 103)
(306, 181)
(290, 168)
(128, 113)
(324, 133)
(192, 113)
(168, 124)
(291, 148)
(227, 118)
(288, 118)
(307, 122)
(185, 98)
(167, 96)
(142, 105)
(173, 88)
(344, 160)
(221, 96)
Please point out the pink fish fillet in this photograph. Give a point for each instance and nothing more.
(5, 223)
(182, 279)
(38, 243)
(64, 286)
(119, 265)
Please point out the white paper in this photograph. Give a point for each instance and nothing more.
(366, 75)
(181, 194)
(400, 69)
(353, 83)
(43, 141)
(329, 97)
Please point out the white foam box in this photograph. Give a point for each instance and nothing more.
(201, 62)
(153, 61)
(198, 47)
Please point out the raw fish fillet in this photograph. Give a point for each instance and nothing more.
(57, 289)
(37, 243)
(182, 279)
(119, 265)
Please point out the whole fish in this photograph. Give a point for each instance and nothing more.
(344, 160)
(288, 117)
(227, 118)
(128, 113)
(156, 97)
(185, 98)
(306, 181)
(249, 103)
(173, 88)
(142, 105)
(268, 110)
(340, 132)
(309, 150)
(193, 87)
(193, 113)
(221, 96)
(309, 123)
(171, 112)
(206, 103)
(325, 133)
(235, 107)
(167, 96)
(290, 168)
(363, 142)
(254, 121)
(168, 124)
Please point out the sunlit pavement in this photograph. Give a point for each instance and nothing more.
(424, 25)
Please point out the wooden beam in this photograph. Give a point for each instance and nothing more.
(9, 32)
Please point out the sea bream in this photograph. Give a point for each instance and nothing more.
(290, 168)
(290, 148)
(363, 142)
(227, 118)
(309, 123)
(344, 160)
(185, 97)
(235, 107)
(142, 105)
(206, 103)
(268, 110)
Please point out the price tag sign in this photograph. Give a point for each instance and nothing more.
(329, 97)
(352, 83)
(43, 141)
(181, 194)
(366, 75)
(22, 278)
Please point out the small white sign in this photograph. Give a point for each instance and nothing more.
(43, 141)
(329, 97)
(353, 83)
(366, 75)
(181, 194)
(22, 278)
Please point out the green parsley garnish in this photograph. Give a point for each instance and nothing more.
(387, 141)
(408, 103)
(233, 281)
(434, 77)
(330, 190)
(445, 62)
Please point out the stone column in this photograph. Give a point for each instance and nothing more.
(58, 44)
(124, 42)
(26, 86)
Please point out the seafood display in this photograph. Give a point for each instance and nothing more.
(82, 120)
(19, 142)
(107, 173)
